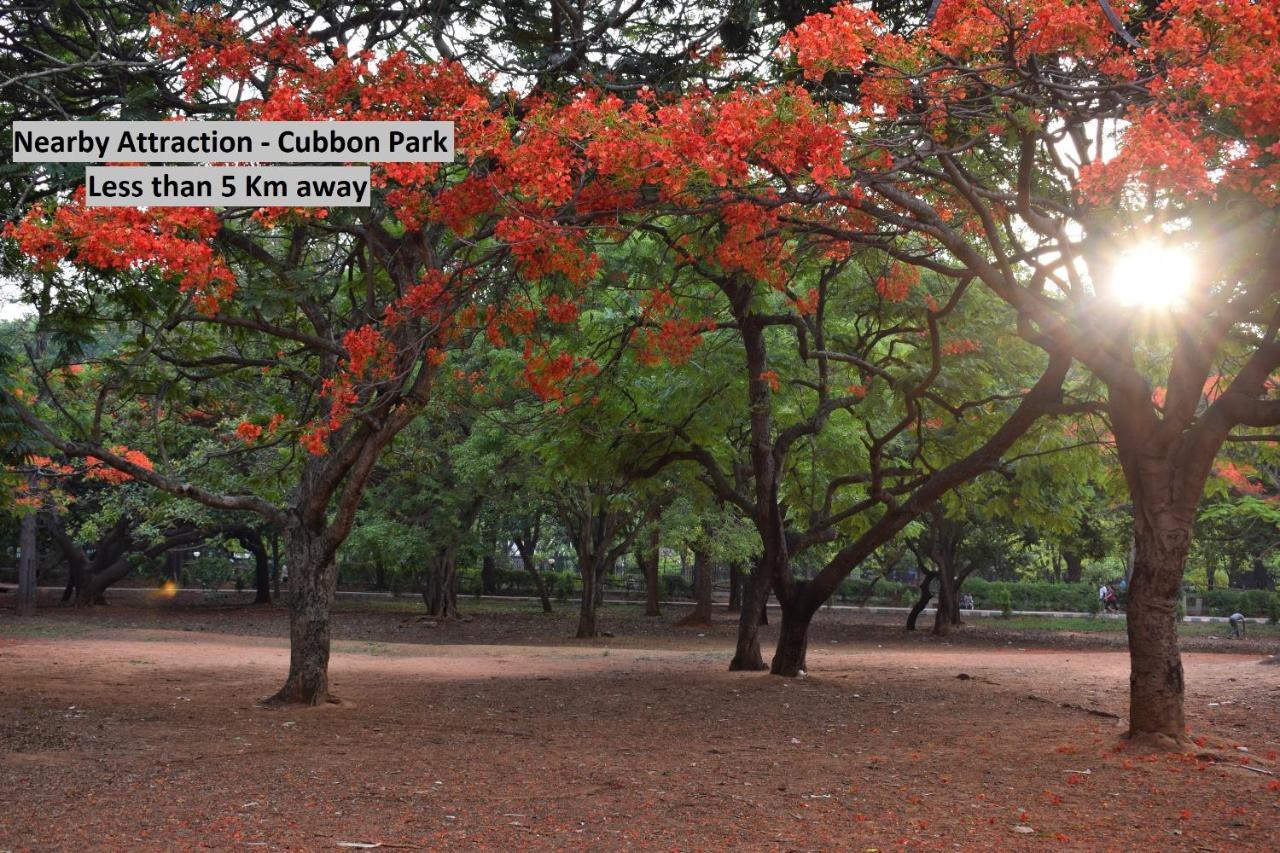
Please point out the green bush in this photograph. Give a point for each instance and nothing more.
(675, 586)
(563, 584)
(1005, 599)
(1250, 602)
(1273, 609)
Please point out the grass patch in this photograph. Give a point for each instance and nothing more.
(1100, 625)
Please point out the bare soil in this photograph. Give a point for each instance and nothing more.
(138, 726)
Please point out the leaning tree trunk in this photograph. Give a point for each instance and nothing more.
(701, 614)
(1155, 679)
(27, 565)
(313, 579)
(926, 593)
(440, 586)
(755, 597)
(538, 582)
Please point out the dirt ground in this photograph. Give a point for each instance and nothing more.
(138, 727)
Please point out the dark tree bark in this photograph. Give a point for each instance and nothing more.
(275, 565)
(793, 636)
(735, 588)
(1260, 577)
(1156, 685)
(488, 575)
(251, 539)
(313, 577)
(28, 563)
(440, 584)
(926, 593)
(755, 597)
(588, 626)
(527, 545)
(651, 557)
(701, 614)
(1075, 566)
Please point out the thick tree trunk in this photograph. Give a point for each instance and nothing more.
(651, 561)
(440, 586)
(735, 588)
(701, 614)
(926, 593)
(789, 657)
(793, 640)
(1075, 566)
(28, 563)
(313, 578)
(1155, 678)
(755, 596)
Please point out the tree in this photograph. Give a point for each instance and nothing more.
(1034, 150)
(332, 326)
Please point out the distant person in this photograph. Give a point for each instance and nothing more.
(966, 602)
(1110, 600)
(1237, 625)
(1102, 594)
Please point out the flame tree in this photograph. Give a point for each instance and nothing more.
(323, 333)
(1031, 147)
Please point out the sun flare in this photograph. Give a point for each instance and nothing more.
(1152, 275)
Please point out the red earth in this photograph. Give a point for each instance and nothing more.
(139, 727)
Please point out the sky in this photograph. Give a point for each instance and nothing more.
(10, 308)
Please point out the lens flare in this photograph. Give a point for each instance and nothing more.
(1152, 275)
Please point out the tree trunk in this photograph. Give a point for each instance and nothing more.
(275, 565)
(701, 614)
(527, 561)
(926, 593)
(942, 620)
(755, 596)
(591, 582)
(252, 540)
(489, 575)
(735, 588)
(652, 561)
(28, 563)
(440, 586)
(793, 639)
(313, 578)
(1075, 566)
(1155, 679)
(1260, 576)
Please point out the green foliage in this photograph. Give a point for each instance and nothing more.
(211, 570)
(1250, 602)
(1005, 601)
(1033, 595)
(1273, 609)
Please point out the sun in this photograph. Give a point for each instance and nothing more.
(1152, 275)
